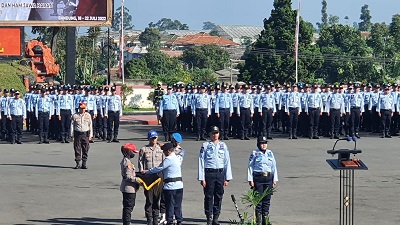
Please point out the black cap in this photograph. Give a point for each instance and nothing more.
(6, 90)
(214, 129)
(169, 87)
(43, 90)
(167, 146)
(113, 88)
(202, 87)
(16, 92)
(262, 139)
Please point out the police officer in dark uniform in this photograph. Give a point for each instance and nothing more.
(262, 174)
(214, 173)
(158, 93)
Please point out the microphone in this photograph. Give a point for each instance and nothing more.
(343, 139)
(354, 138)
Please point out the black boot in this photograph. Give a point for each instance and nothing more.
(294, 133)
(209, 220)
(63, 137)
(46, 139)
(383, 134)
(67, 139)
(78, 165)
(155, 220)
(84, 165)
(226, 137)
(165, 137)
(149, 221)
(290, 134)
(202, 137)
(316, 136)
(246, 137)
(104, 137)
(108, 138)
(258, 218)
(40, 139)
(198, 138)
(115, 139)
(265, 220)
(388, 135)
(215, 219)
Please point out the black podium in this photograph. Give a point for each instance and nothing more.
(346, 167)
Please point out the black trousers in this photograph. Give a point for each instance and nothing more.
(98, 125)
(212, 121)
(224, 116)
(367, 119)
(325, 124)
(386, 116)
(257, 123)
(112, 122)
(187, 119)
(28, 120)
(335, 120)
(173, 200)
(213, 193)
(169, 121)
(304, 124)
(314, 114)
(262, 183)
(395, 122)
(179, 120)
(16, 128)
(43, 120)
(355, 121)
(293, 119)
(54, 127)
(277, 119)
(34, 121)
(128, 203)
(201, 118)
(152, 206)
(65, 122)
(245, 121)
(81, 146)
(234, 124)
(347, 123)
(374, 120)
(3, 126)
(266, 126)
(284, 118)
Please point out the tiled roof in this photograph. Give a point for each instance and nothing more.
(201, 39)
(182, 33)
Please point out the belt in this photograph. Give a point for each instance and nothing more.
(266, 108)
(208, 170)
(386, 110)
(65, 109)
(43, 112)
(293, 108)
(17, 115)
(224, 108)
(113, 111)
(335, 109)
(80, 133)
(243, 108)
(169, 110)
(202, 109)
(313, 108)
(355, 108)
(169, 180)
(261, 174)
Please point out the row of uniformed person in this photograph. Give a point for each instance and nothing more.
(48, 112)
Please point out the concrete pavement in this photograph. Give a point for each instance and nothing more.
(39, 186)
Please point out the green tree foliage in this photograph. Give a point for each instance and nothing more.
(150, 37)
(365, 17)
(200, 75)
(394, 30)
(324, 18)
(347, 56)
(271, 57)
(333, 20)
(116, 25)
(169, 24)
(137, 69)
(208, 25)
(206, 56)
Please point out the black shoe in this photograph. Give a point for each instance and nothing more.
(270, 138)
(203, 138)
(246, 138)
(63, 141)
(46, 141)
(19, 142)
(316, 137)
(84, 165)
(40, 142)
(336, 137)
(295, 137)
(77, 166)
(108, 141)
(198, 138)
(91, 141)
(67, 141)
(115, 140)
(215, 220)
(388, 136)
(242, 138)
(226, 138)
(358, 136)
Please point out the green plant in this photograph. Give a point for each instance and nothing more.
(251, 199)
(125, 91)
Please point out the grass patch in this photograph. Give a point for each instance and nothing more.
(128, 109)
(10, 75)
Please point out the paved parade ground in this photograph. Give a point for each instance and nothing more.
(39, 186)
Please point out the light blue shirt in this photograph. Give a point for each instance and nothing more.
(277, 95)
(27, 98)
(179, 96)
(113, 104)
(16, 107)
(213, 100)
(335, 101)
(104, 99)
(267, 101)
(373, 100)
(201, 101)
(169, 102)
(245, 101)
(235, 96)
(33, 101)
(314, 100)
(214, 156)
(65, 102)
(367, 96)
(293, 101)
(99, 102)
(3, 104)
(356, 100)
(224, 101)
(303, 100)
(171, 168)
(90, 100)
(44, 104)
(262, 162)
(386, 102)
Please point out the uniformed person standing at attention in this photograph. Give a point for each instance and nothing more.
(313, 109)
(65, 111)
(81, 127)
(44, 106)
(293, 109)
(224, 110)
(113, 113)
(373, 102)
(151, 156)
(91, 106)
(386, 109)
(262, 174)
(169, 111)
(3, 115)
(245, 111)
(335, 109)
(201, 111)
(267, 111)
(214, 174)
(16, 114)
(356, 103)
(157, 96)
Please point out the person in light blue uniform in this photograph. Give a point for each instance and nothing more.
(113, 112)
(386, 109)
(373, 103)
(224, 110)
(91, 106)
(257, 120)
(267, 110)
(65, 110)
(103, 126)
(245, 111)
(277, 92)
(394, 129)
(169, 111)
(27, 99)
(201, 110)
(314, 111)
(4, 122)
(235, 91)
(173, 185)
(16, 112)
(324, 126)
(262, 174)
(180, 93)
(356, 106)
(335, 109)
(44, 107)
(33, 101)
(293, 109)
(367, 113)
(214, 173)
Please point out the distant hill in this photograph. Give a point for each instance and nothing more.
(10, 75)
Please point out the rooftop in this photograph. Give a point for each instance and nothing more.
(201, 39)
(238, 31)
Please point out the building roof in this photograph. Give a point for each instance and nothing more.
(201, 39)
(172, 53)
(239, 31)
(182, 33)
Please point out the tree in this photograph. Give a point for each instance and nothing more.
(324, 18)
(116, 25)
(137, 69)
(382, 47)
(271, 57)
(168, 24)
(208, 25)
(365, 17)
(206, 56)
(333, 20)
(245, 40)
(394, 30)
(150, 37)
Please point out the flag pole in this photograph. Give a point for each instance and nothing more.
(297, 42)
(121, 44)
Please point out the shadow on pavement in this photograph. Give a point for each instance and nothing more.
(35, 165)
